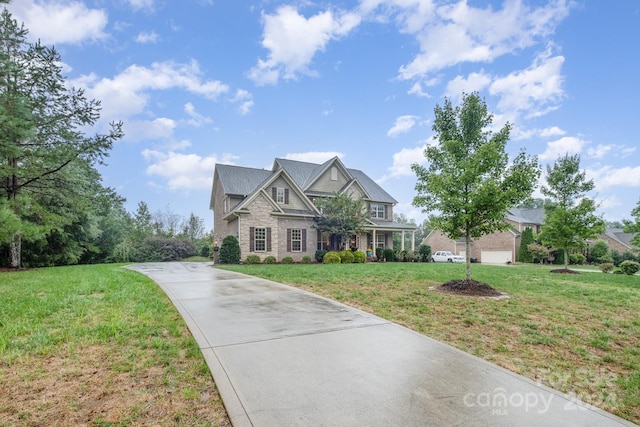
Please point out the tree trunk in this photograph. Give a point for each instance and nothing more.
(566, 259)
(467, 255)
(15, 250)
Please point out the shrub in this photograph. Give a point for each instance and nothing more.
(346, 257)
(162, 249)
(425, 253)
(331, 257)
(389, 254)
(599, 252)
(230, 251)
(400, 256)
(307, 259)
(270, 259)
(606, 267)
(359, 257)
(576, 259)
(629, 267)
(287, 260)
(252, 259)
(412, 256)
(320, 254)
(379, 253)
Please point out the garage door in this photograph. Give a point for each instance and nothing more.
(495, 257)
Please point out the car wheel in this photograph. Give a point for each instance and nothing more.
(449, 260)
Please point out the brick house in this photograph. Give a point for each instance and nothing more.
(273, 212)
(503, 247)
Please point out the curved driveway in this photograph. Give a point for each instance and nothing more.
(281, 356)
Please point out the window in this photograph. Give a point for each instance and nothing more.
(334, 174)
(226, 204)
(376, 210)
(296, 240)
(260, 239)
(380, 239)
(280, 195)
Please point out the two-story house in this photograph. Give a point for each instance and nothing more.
(273, 212)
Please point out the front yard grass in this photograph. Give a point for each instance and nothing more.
(577, 333)
(98, 345)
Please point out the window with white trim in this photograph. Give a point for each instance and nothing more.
(280, 195)
(260, 239)
(376, 210)
(380, 240)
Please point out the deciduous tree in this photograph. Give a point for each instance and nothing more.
(469, 181)
(341, 216)
(570, 217)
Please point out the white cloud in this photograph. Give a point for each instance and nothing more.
(147, 37)
(601, 150)
(244, 100)
(402, 162)
(293, 40)
(403, 124)
(196, 119)
(552, 132)
(565, 145)
(142, 4)
(184, 171)
(535, 91)
(317, 157)
(60, 22)
(127, 94)
(455, 33)
(416, 89)
(473, 82)
(138, 130)
(611, 177)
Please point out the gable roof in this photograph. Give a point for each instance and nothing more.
(305, 174)
(526, 216)
(241, 180)
(619, 235)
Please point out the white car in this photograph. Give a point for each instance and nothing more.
(446, 256)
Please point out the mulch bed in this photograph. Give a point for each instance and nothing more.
(564, 271)
(468, 287)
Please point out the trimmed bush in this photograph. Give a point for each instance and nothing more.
(331, 257)
(307, 259)
(629, 267)
(320, 255)
(359, 257)
(252, 259)
(230, 251)
(576, 259)
(287, 260)
(346, 257)
(606, 267)
(379, 253)
(389, 255)
(425, 253)
(270, 259)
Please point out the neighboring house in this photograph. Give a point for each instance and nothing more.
(502, 247)
(273, 212)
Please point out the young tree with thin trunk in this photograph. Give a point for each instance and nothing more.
(469, 181)
(42, 125)
(570, 217)
(341, 216)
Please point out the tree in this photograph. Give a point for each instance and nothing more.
(193, 228)
(599, 252)
(469, 181)
(523, 253)
(342, 216)
(230, 250)
(42, 124)
(631, 227)
(570, 217)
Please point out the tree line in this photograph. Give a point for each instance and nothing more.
(54, 209)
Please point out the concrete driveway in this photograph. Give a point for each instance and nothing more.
(285, 357)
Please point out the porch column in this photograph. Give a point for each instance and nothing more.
(413, 241)
(402, 242)
(374, 244)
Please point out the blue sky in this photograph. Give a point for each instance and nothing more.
(200, 82)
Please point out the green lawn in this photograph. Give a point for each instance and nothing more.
(98, 345)
(578, 333)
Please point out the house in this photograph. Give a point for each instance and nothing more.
(273, 212)
(502, 247)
